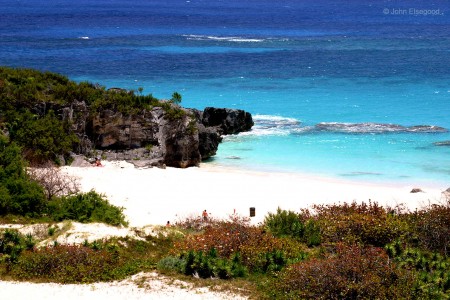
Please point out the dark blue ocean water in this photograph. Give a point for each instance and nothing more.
(292, 64)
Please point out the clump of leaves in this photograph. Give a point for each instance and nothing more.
(209, 264)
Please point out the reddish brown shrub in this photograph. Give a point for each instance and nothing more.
(226, 237)
(65, 264)
(351, 272)
(358, 223)
(432, 227)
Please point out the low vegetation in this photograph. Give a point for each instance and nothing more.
(50, 198)
(343, 264)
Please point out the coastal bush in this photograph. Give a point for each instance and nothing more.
(312, 236)
(209, 264)
(284, 223)
(266, 253)
(172, 264)
(86, 207)
(99, 260)
(431, 268)
(43, 138)
(172, 112)
(226, 237)
(11, 245)
(66, 264)
(363, 223)
(18, 194)
(260, 250)
(349, 272)
(431, 227)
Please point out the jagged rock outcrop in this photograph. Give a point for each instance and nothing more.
(154, 137)
(228, 121)
(116, 131)
(179, 141)
(209, 140)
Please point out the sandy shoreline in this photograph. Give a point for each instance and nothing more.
(155, 196)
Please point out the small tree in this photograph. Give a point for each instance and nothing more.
(54, 181)
(176, 98)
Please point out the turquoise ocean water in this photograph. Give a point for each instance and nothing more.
(292, 64)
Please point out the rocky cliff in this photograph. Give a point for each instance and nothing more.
(155, 137)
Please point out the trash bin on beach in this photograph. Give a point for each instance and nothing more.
(252, 211)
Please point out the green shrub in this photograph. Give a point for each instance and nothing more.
(266, 253)
(11, 245)
(284, 223)
(18, 194)
(433, 271)
(312, 236)
(172, 264)
(172, 112)
(208, 264)
(88, 207)
(42, 138)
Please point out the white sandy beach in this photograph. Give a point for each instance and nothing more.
(155, 196)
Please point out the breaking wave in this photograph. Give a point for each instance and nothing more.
(222, 38)
(273, 125)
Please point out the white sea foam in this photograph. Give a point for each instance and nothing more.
(273, 125)
(222, 38)
(275, 120)
(83, 37)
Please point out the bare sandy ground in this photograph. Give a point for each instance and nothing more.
(139, 286)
